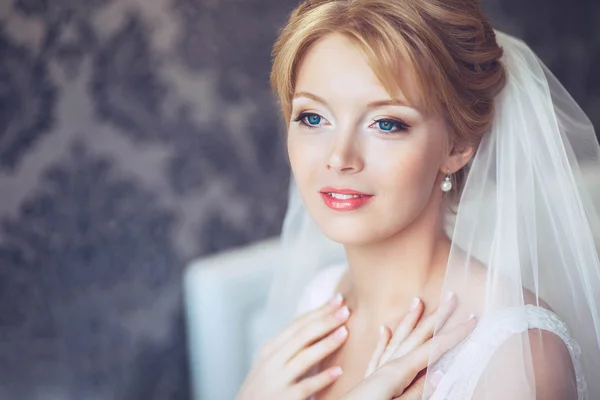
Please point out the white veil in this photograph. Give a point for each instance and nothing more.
(525, 220)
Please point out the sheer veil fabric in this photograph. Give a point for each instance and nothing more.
(524, 250)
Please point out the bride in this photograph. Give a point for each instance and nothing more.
(445, 161)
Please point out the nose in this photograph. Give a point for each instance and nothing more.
(345, 156)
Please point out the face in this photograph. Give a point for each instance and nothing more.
(366, 163)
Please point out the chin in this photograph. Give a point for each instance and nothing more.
(352, 231)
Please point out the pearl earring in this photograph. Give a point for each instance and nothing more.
(447, 184)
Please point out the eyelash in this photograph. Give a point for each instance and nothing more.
(400, 126)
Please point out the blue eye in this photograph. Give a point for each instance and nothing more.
(310, 120)
(387, 125)
(313, 119)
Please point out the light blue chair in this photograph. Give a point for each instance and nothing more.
(224, 297)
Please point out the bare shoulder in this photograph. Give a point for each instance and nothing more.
(506, 376)
(551, 361)
(552, 365)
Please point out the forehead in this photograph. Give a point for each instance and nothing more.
(336, 66)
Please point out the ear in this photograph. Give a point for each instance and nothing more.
(458, 158)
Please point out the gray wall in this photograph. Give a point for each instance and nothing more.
(136, 135)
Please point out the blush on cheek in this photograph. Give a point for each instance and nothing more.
(410, 187)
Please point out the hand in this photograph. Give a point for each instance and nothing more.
(282, 363)
(400, 357)
(408, 335)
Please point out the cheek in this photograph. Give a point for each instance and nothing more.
(305, 158)
(407, 175)
(297, 154)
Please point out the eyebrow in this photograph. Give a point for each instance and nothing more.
(373, 104)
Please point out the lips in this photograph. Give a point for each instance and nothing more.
(344, 199)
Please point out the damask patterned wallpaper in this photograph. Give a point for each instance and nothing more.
(136, 135)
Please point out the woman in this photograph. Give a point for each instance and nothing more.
(445, 160)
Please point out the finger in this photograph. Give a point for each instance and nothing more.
(310, 356)
(416, 391)
(313, 332)
(422, 388)
(300, 323)
(443, 342)
(313, 384)
(425, 329)
(405, 369)
(406, 326)
(307, 318)
(384, 337)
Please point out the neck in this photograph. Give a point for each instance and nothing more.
(386, 275)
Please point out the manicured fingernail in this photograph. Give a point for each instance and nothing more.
(341, 333)
(415, 303)
(342, 313)
(448, 296)
(336, 371)
(337, 299)
(436, 378)
(472, 316)
(383, 332)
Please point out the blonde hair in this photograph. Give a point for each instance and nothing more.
(449, 47)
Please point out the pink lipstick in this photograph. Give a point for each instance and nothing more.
(344, 199)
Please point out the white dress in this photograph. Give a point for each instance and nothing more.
(464, 364)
